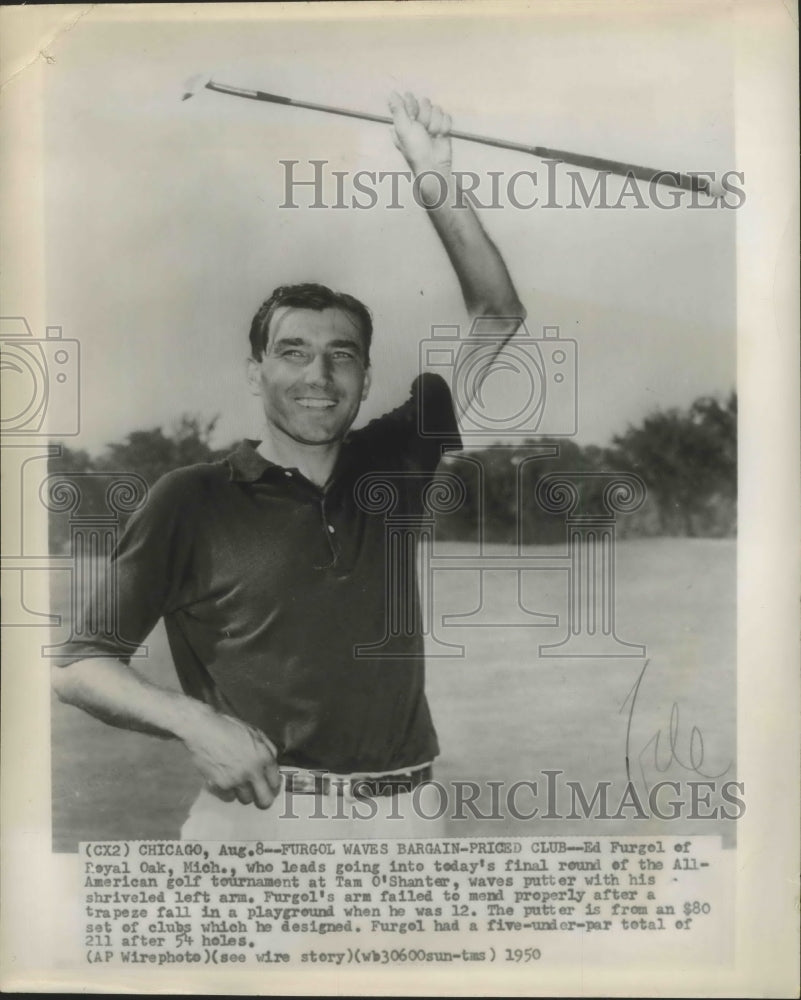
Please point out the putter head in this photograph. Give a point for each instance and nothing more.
(194, 84)
(715, 189)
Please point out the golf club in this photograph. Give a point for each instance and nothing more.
(673, 178)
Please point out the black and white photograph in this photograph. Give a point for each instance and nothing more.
(388, 506)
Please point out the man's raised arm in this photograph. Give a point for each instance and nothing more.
(422, 133)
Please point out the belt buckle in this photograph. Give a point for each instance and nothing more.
(354, 786)
(301, 782)
(339, 784)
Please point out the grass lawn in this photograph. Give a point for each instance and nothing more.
(502, 711)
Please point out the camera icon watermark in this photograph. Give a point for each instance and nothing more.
(501, 387)
(40, 380)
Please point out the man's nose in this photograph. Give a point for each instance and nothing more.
(318, 371)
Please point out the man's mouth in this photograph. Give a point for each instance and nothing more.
(316, 403)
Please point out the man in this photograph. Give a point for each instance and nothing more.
(269, 572)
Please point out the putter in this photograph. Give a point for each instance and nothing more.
(673, 178)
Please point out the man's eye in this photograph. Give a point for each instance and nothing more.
(344, 356)
(292, 353)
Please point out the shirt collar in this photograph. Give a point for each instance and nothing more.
(246, 464)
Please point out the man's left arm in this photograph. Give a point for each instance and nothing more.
(422, 133)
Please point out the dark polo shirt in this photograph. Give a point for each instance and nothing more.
(267, 583)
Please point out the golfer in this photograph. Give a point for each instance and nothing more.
(268, 572)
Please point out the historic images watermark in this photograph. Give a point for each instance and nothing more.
(41, 394)
(539, 371)
(312, 184)
(41, 383)
(539, 399)
(548, 796)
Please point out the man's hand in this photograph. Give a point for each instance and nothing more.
(422, 133)
(237, 760)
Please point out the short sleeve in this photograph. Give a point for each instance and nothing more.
(145, 577)
(414, 436)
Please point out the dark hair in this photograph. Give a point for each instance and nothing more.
(308, 296)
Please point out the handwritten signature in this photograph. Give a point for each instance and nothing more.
(695, 752)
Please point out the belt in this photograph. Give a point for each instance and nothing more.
(354, 785)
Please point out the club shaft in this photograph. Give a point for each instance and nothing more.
(672, 178)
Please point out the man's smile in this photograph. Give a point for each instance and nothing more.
(316, 402)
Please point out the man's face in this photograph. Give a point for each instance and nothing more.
(313, 375)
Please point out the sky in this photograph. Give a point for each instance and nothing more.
(164, 230)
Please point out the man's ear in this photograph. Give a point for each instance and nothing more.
(366, 386)
(253, 375)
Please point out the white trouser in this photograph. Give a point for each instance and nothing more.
(333, 816)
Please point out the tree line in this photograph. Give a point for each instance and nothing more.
(686, 459)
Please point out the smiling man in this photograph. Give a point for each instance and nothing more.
(269, 573)
(310, 364)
